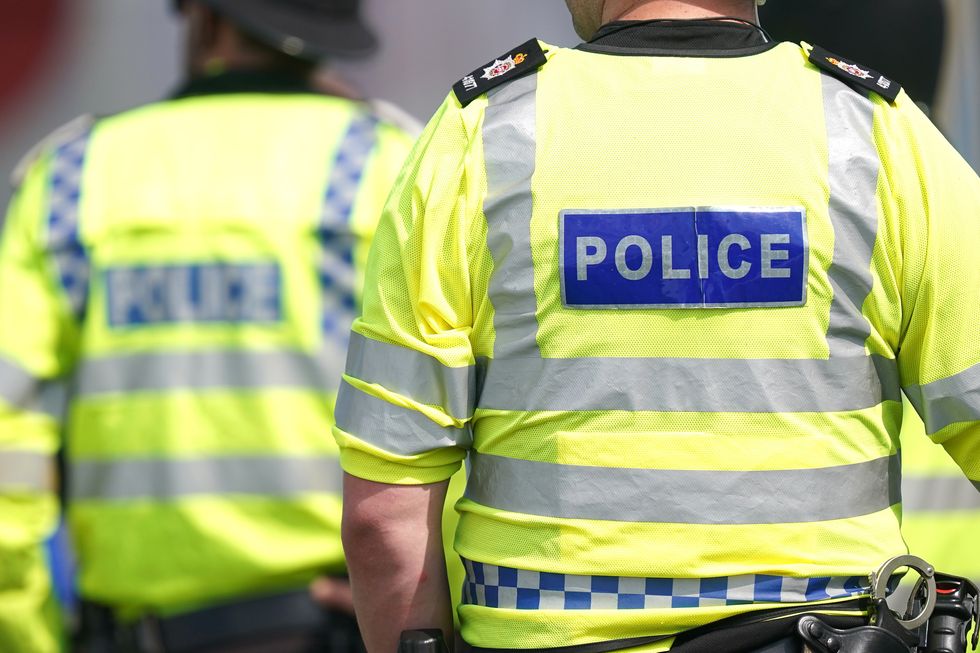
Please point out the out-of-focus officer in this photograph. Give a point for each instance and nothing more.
(191, 268)
(664, 289)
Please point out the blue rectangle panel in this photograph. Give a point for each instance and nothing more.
(707, 257)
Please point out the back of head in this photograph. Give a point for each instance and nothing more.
(286, 35)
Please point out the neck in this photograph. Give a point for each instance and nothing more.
(678, 9)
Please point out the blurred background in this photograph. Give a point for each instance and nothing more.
(62, 58)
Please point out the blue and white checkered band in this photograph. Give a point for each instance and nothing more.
(518, 589)
(63, 239)
(337, 241)
(705, 257)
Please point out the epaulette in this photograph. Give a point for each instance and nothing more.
(520, 61)
(855, 74)
(66, 132)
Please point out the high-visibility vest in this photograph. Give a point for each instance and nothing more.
(667, 305)
(191, 269)
(940, 508)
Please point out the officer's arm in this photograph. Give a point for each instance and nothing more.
(406, 403)
(30, 326)
(939, 351)
(393, 541)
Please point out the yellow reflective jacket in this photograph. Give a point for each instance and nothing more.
(940, 508)
(191, 269)
(667, 305)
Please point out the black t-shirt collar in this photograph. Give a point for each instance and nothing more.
(242, 81)
(693, 38)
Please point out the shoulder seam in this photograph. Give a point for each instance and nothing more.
(71, 129)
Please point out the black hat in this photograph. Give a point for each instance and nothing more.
(308, 29)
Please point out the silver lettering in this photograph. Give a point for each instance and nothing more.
(769, 255)
(261, 300)
(724, 252)
(667, 253)
(702, 256)
(122, 294)
(582, 257)
(180, 305)
(152, 295)
(646, 258)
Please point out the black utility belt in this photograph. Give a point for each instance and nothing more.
(217, 625)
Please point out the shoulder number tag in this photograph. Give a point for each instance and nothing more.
(855, 73)
(518, 62)
(684, 258)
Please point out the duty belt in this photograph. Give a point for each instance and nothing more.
(293, 612)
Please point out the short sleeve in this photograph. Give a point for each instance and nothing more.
(405, 406)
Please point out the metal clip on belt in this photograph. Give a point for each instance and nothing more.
(888, 633)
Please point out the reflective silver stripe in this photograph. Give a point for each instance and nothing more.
(696, 385)
(17, 385)
(140, 478)
(413, 374)
(204, 370)
(509, 144)
(25, 470)
(393, 428)
(682, 496)
(853, 176)
(939, 493)
(947, 401)
(21, 390)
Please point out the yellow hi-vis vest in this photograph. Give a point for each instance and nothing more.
(940, 508)
(191, 269)
(29, 619)
(667, 306)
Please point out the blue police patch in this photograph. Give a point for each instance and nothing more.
(203, 293)
(706, 257)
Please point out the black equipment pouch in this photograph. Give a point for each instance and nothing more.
(429, 640)
(956, 614)
(947, 609)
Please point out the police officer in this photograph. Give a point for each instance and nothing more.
(664, 291)
(192, 267)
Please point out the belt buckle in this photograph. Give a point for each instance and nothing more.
(149, 635)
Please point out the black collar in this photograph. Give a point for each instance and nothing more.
(680, 38)
(243, 81)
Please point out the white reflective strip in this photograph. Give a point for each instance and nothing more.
(684, 496)
(209, 370)
(854, 165)
(21, 390)
(164, 480)
(695, 385)
(26, 470)
(939, 493)
(413, 374)
(393, 428)
(17, 385)
(952, 400)
(509, 145)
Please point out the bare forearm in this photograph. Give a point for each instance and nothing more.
(392, 537)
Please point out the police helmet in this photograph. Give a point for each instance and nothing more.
(306, 29)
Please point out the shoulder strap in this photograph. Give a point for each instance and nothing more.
(855, 74)
(520, 61)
